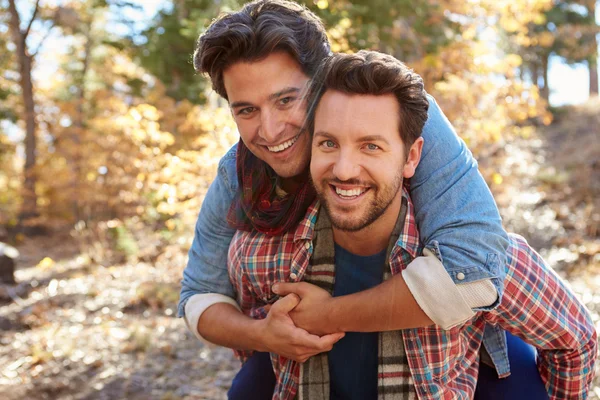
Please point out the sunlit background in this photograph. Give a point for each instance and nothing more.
(109, 141)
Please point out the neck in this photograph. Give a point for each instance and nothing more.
(291, 185)
(373, 238)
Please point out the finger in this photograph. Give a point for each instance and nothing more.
(267, 308)
(283, 288)
(286, 304)
(314, 343)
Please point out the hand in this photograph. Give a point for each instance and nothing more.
(311, 313)
(281, 336)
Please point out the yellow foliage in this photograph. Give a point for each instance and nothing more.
(46, 264)
(513, 60)
(322, 4)
(546, 39)
(497, 178)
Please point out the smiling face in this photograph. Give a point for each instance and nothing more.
(267, 101)
(359, 160)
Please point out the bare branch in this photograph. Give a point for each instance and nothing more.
(39, 46)
(35, 11)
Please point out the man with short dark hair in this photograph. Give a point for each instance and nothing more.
(367, 112)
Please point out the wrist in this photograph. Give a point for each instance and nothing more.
(257, 332)
(332, 317)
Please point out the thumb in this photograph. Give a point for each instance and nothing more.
(332, 338)
(285, 304)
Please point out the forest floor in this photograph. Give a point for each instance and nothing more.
(76, 329)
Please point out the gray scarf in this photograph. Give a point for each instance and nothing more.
(394, 381)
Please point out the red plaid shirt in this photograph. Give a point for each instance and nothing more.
(536, 306)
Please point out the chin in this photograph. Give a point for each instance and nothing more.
(290, 169)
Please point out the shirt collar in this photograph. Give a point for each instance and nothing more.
(305, 229)
(409, 237)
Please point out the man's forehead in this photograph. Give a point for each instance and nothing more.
(264, 78)
(353, 105)
(357, 115)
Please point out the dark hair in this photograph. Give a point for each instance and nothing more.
(257, 30)
(374, 73)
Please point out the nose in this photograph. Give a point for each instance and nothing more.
(345, 167)
(272, 126)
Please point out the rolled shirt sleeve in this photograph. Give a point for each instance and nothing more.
(447, 304)
(198, 303)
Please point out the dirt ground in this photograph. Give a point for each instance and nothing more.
(76, 329)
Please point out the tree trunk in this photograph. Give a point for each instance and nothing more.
(78, 130)
(593, 60)
(29, 206)
(535, 75)
(545, 92)
(593, 66)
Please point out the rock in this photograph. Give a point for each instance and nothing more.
(8, 256)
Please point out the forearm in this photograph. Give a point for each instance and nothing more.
(225, 325)
(389, 306)
(423, 294)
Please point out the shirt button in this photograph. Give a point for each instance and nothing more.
(460, 276)
(293, 276)
(307, 245)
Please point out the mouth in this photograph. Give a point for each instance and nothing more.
(349, 193)
(283, 146)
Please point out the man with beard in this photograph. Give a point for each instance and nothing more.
(367, 113)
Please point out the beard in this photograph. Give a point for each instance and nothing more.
(358, 217)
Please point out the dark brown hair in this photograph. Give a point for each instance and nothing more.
(374, 73)
(257, 30)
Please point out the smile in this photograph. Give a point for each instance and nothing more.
(283, 146)
(350, 193)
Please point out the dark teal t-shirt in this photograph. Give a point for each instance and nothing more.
(353, 360)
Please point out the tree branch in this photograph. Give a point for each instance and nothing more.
(39, 46)
(35, 11)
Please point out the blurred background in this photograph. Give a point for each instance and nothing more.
(109, 141)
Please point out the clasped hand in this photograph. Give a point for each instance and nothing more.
(292, 328)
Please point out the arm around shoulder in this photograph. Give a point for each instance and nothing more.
(454, 208)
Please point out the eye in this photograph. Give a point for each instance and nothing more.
(328, 144)
(245, 111)
(372, 147)
(286, 100)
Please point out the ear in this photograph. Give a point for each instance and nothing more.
(413, 158)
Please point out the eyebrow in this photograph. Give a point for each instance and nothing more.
(287, 90)
(324, 134)
(368, 138)
(373, 138)
(283, 92)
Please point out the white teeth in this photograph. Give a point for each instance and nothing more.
(350, 193)
(282, 146)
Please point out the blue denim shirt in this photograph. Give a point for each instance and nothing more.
(455, 212)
